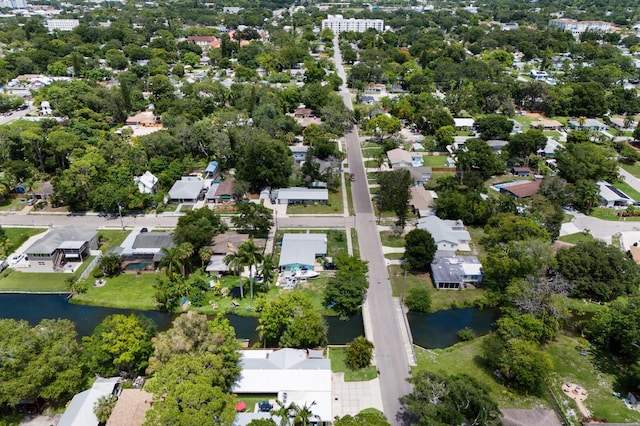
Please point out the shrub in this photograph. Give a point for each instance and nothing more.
(358, 353)
(418, 300)
(97, 273)
(466, 334)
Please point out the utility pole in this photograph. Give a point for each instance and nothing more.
(120, 212)
(405, 266)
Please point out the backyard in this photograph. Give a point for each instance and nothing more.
(434, 160)
(125, 291)
(39, 282)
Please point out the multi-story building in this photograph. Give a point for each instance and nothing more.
(338, 24)
(61, 24)
(578, 27)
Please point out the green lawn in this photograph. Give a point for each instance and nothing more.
(390, 240)
(464, 358)
(371, 164)
(111, 238)
(334, 206)
(14, 280)
(570, 366)
(627, 189)
(440, 299)
(355, 243)
(611, 214)
(566, 218)
(576, 238)
(338, 365)
(394, 256)
(12, 204)
(252, 399)
(434, 160)
(17, 237)
(126, 291)
(634, 168)
(347, 188)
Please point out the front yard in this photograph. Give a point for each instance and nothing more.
(17, 236)
(338, 365)
(334, 206)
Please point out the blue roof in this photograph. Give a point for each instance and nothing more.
(212, 167)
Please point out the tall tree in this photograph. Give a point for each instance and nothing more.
(394, 193)
(251, 256)
(253, 218)
(419, 249)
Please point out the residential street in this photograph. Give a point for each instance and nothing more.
(385, 330)
(630, 179)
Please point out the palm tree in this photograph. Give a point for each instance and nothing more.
(251, 255)
(266, 269)
(104, 407)
(171, 260)
(184, 252)
(303, 414)
(205, 254)
(284, 412)
(235, 264)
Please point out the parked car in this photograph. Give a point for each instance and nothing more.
(352, 177)
(31, 201)
(144, 230)
(16, 258)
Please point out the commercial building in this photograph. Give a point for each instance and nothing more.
(338, 24)
(61, 24)
(578, 27)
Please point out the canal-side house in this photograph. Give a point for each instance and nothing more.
(80, 411)
(143, 250)
(452, 272)
(298, 376)
(447, 234)
(300, 251)
(61, 249)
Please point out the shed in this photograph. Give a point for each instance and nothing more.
(211, 171)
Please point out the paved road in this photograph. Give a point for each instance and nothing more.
(391, 358)
(633, 181)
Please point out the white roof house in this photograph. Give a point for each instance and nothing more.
(302, 195)
(186, 189)
(146, 183)
(461, 123)
(448, 234)
(612, 196)
(80, 409)
(401, 158)
(298, 377)
(302, 250)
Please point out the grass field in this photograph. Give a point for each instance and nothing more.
(338, 365)
(390, 240)
(434, 160)
(576, 238)
(17, 237)
(355, 243)
(440, 299)
(347, 187)
(126, 291)
(611, 214)
(394, 256)
(14, 280)
(634, 168)
(111, 238)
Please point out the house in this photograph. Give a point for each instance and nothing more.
(520, 171)
(497, 145)
(619, 123)
(520, 189)
(368, 100)
(611, 196)
(550, 148)
(146, 183)
(131, 408)
(212, 170)
(589, 124)
(400, 158)
(301, 196)
(375, 89)
(447, 234)
(144, 249)
(452, 272)
(303, 112)
(80, 409)
(300, 251)
(186, 190)
(538, 75)
(464, 123)
(44, 191)
(221, 192)
(417, 147)
(420, 175)
(546, 124)
(62, 249)
(205, 42)
(421, 201)
(299, 152)
(145, 119)
(529, 417)
(45, 108)
(295, 375)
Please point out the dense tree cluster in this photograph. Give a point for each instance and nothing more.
(345, 291)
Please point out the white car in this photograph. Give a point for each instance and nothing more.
(16, 258)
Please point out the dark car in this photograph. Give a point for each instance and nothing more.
(144, 230)
(352, 177)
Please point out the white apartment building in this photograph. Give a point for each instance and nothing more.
(338, 24)
(61, 24)
(578, 27)
(13, 4)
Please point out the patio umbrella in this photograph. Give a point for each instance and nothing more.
(240, 406)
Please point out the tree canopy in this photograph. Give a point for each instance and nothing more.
(419, 249)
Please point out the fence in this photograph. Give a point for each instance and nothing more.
(91, 265)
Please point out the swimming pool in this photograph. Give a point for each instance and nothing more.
(136, 266)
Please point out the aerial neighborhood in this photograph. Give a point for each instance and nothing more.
(316, 213)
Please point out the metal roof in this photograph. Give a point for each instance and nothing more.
(303, 194)
(186, 189)
(302, 248)
(212, 167)
(80, 410)
(444, 230)
(53, 239)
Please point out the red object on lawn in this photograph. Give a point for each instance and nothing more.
(240, 406)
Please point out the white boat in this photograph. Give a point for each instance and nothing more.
(305, 273)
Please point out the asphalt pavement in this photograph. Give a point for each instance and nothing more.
(391, 358)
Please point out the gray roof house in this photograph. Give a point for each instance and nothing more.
(186, 190)
(80, 409)
(402, 158)
(301, 251)
(145, 245)
(452, 272)
(299, 152)
(612, 196)
(448, 234)
(61, 245)
(589, 123)
(420, 175)
(294, 375)
(301, 196)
